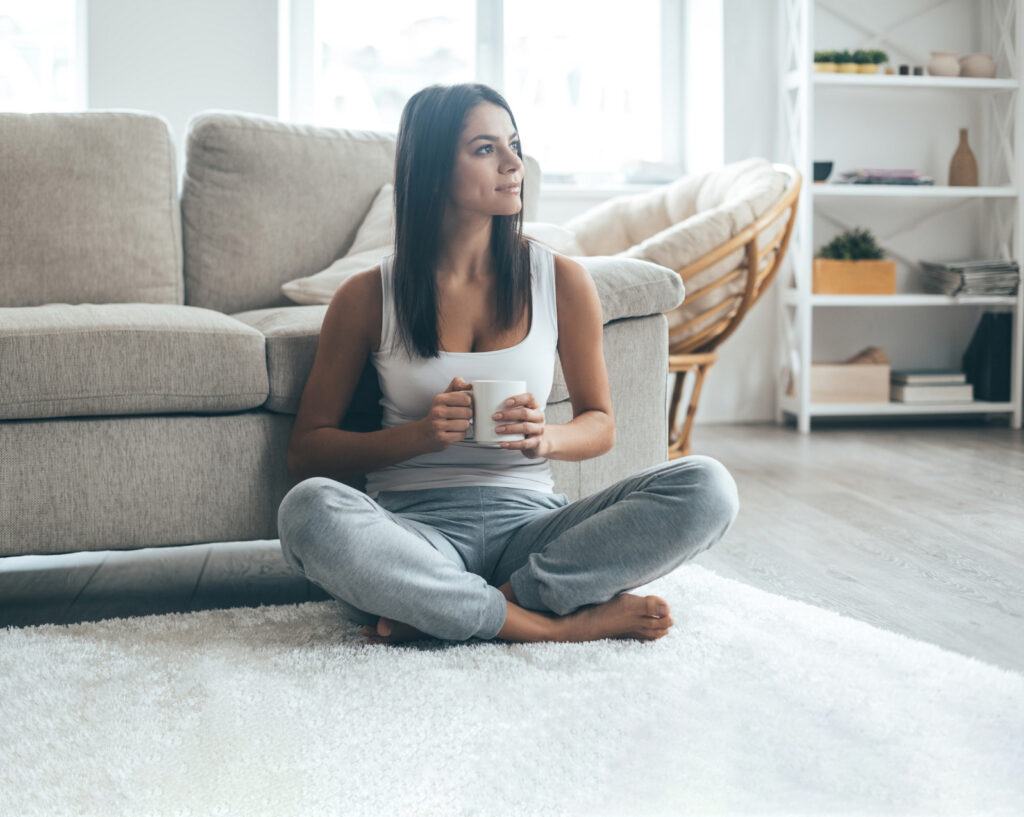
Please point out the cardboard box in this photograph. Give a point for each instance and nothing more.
(832, 277)
(849, 383)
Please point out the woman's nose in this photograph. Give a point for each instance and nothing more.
(512, 160)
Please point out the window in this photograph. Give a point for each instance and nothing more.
(585, 85)
(368, 64)
(41, 55)
(594, 84)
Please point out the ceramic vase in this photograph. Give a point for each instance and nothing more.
(977, 65)
(944, 64)
(963, 169)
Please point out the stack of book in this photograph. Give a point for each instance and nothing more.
(930, 386)
(971, 277)
(872, 175)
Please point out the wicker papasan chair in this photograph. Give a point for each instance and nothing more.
(715, 229)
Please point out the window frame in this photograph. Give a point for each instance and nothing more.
(296, 38)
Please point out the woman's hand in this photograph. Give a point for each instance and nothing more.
(448, 420)
(521, 414)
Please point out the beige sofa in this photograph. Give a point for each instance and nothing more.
(150, 365)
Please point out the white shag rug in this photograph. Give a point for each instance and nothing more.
(753, 704)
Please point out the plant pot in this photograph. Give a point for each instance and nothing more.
(868, 68)
(833, 277)
(853, 67)
(825, 67)
(944, 64)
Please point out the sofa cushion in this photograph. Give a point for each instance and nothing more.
(70, 360)
(627, 288)
(89, 209)
(374, 239)
(292, 333)
(265, 202)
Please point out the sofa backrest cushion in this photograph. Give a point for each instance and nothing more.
(88, 209)
(264, 201)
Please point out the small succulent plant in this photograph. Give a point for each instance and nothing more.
(853, 245)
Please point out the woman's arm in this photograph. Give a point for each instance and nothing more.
(318, 447)
(591, 432)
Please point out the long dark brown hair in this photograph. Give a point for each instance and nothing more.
(428, 138)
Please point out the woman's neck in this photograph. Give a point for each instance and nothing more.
(465, 254)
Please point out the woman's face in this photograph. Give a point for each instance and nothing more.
(487, 171)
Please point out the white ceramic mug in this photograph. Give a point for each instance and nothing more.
(489, 396)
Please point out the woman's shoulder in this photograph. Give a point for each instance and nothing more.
(363, 302)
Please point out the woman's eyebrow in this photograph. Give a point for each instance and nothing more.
(491, 138)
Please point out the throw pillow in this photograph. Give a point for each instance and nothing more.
(557, 238)
(374, 239)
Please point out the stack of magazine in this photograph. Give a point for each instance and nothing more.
(930, 386)
(971, 277)
(875, 175)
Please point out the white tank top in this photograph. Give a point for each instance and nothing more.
(408, 388)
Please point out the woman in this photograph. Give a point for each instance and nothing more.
(451, 539)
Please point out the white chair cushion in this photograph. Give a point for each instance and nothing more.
(715, 205)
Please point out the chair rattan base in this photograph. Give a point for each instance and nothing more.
(683, 365)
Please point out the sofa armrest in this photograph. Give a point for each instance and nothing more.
(631, 287)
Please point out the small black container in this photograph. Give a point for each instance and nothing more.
(822, 171)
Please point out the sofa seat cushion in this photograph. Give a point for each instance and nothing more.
(628, 288)
(292, 333)
(70, 360)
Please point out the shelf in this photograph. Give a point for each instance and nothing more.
(832, 190)
(896, 82)
(789, 405)
(902, 299)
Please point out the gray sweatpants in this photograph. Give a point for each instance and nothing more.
(434, 558)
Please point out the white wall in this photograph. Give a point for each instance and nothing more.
(741, 386)
(176, 59)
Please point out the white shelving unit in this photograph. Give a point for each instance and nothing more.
(1001, 164)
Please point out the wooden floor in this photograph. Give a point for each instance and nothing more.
(917, 528)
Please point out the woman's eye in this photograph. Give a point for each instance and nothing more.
(516, 143)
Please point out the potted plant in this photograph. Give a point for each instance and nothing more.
(852, 263)
(845, 63)
(865, 65)
(878, 57)
(823, 62)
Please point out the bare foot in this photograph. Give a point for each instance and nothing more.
(389, 631)
(626, 616)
